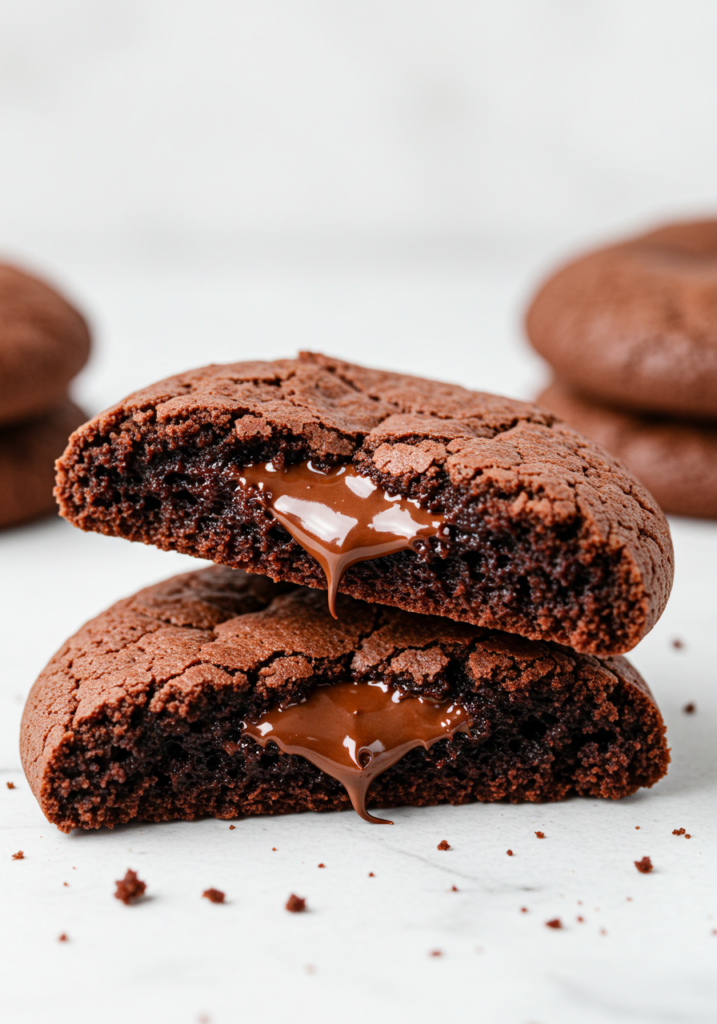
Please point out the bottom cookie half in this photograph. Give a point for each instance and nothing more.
(675, 459)
(27, 463)
(153, 709)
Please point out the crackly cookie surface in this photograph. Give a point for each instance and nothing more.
(547, 536)
(676, 459)
(635, 324)
(138, 716)
(44, 342)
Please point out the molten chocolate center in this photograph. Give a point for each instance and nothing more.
(339, 517)
(355, 731)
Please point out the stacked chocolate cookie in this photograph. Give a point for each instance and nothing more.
(422, 595)
(631, 333)
(44, 342)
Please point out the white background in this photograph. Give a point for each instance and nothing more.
(384, 182)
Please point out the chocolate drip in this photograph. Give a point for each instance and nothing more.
(355, 731)
(339, 517)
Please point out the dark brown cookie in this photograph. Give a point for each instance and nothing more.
(139, 715)
(44, 342)
(545, 535)
(675, 459)
(27, 463)
(635, 325)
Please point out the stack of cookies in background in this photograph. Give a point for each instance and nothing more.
(44, 342)
(631, 334)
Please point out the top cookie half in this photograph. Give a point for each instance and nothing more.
(544, 534)
(635, 324)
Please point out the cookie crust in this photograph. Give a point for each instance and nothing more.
(138, 715)
(44, 342)
(675, 459)
(635, 324)
(548, 536)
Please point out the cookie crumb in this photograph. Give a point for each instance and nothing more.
(436, 952)
(581, 920)
(689, 709)
(295, 904)
(524, 910)
(555, 923)
(322, 865)
(678, 644)
(371, 874)
(11, 785)
(213, 895)
(637, 827)
(540, 835)
(453, 888)
(273, 849)
(232, 827)
(130, 888)
(509, 852)
(644, 865)
(678, 831)
(63, 937)
(18, 856)
(66, 884)
(443, 845)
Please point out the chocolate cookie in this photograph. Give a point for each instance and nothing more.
(149, 711)
(27, 463)
(675, 459)
(635, 324)
(44, 342)
(515, 521)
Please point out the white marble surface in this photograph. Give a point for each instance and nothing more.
(647, 949)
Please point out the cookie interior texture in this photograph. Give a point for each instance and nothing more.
(27, 463)
(44, 342)
(548, 537)
(138, 716)
(635, 324)
(675, 459)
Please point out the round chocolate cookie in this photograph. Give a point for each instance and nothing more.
(146, 712)
(27, 463)
(44, 342)
(675, 459)
(526, 526)
(635, 324)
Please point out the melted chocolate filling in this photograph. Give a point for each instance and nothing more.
(340, 517)
(355, 731)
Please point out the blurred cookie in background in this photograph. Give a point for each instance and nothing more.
(676, 459)
(634, 325)
(27, 463)
(44, 342)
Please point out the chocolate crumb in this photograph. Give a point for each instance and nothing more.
(295, 904)
(644, 865)
(555, 923)
(130, 888)
(509, 852)
(11, 785)
(322, 865)
(689, 709)
(540, 835)
(18, 856)
(371, 874)
(63, 937)
(213, 895)
(232, 827)
(443, 845)
(678, 644)
(678, 831)
(436, 952)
